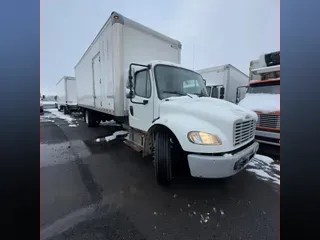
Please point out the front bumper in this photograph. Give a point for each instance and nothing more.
(204, 166)
(267, 137)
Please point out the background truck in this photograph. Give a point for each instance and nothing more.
(164, 116)
(227, 77)
(263, 97)
(67, 94)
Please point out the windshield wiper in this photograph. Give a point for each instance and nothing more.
(179, 93)
(200, 94)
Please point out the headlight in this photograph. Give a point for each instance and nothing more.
(203, 138)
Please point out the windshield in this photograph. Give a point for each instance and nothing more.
(175, 81)
(272, 89)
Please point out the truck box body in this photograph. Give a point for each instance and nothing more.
(228, 76)
(102, 72)
(67, 91)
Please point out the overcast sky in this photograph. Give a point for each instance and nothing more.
(212, 32)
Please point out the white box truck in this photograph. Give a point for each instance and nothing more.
(131, 74)
(67, 94)
(226, 78)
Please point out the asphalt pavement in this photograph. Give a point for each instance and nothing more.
(106, 190)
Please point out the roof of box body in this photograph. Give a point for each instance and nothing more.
(123, 20)
(66, 77)
(210, 69)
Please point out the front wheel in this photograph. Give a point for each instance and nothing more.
(162, 158)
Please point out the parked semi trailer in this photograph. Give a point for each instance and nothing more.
(222, 82)
(67, 94)
(263, 97)
(132, 74)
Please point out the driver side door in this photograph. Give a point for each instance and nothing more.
(141, 105)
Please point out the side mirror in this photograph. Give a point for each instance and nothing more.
(129, 94)
(222, 92)
(237, 96)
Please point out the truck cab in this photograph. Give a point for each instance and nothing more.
(215, 91)
(170, 110)
(263, 97)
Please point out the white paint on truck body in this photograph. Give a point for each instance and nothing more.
(106, 62)
(67, 91)
(228, 76)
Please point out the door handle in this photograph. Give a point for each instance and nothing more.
(145, 102)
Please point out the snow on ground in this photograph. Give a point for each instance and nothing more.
(48, 102)
(109, 123)
(112, 137)
(54, 113)
(265, 103)
(265, 168)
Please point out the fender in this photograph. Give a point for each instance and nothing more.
(182, 124)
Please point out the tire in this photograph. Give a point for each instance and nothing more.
(90, 119)
(162, 158)
(65, 111)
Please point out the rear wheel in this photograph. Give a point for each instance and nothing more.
(90, 119)
(162, 158)
(65, 110)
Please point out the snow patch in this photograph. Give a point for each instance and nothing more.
(54, 113)
(265, 159)
(265, 176)
(48, 102)
(265, 103)
(109, 123)
(204, 219)
(276, 167)
(46, 120)
(60, 115)
(264, 168)
(228, 155)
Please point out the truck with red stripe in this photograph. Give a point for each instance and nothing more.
(263, 97)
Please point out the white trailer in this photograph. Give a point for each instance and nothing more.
(131, 74)
(226, 76)
(67, 94)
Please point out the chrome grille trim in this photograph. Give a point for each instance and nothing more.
(243, 131)
(268, 121)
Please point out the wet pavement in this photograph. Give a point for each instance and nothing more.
(106, 190)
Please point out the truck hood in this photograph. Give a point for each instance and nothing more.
(259, 102)
(212, 110)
